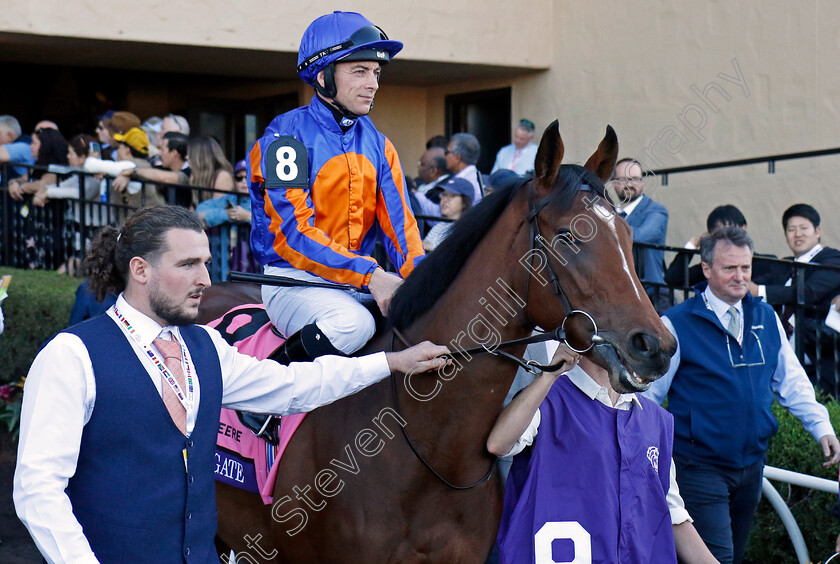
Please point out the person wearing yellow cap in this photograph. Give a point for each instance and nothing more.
(132, 150)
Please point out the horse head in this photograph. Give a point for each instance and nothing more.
(581, 260)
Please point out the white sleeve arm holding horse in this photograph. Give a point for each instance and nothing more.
(58, 401)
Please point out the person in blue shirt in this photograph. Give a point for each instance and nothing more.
(732, 360)
(228, 217)
(13, 148)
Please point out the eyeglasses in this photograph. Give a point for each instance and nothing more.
(239, 177)
(625, 180)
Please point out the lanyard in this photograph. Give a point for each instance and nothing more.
(187, 401)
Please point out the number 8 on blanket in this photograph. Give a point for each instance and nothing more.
(286, 164)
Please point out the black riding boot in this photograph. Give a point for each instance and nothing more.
(304, 346)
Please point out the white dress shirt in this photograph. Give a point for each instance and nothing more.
(789, 383)
(59, 398)
(629, 208)
(524, 161)
(804, 257)
(596, 392)
(470, 174)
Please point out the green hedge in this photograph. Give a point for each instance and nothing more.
(794, 449)
(38, 306)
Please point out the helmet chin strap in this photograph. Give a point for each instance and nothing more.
(342, 109)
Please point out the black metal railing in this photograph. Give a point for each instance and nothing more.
(770, 160)
(54, 235)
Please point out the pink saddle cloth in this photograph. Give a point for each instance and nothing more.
(242, 459)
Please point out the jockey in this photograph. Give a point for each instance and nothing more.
(324, 185)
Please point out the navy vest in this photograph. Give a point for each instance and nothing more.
(131, 492)
(721, 395)
(595, 477)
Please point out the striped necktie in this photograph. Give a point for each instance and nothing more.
(171, 351)
(734, 326)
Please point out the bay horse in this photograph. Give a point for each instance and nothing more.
(399, 471)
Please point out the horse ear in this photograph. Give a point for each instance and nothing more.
(549, 157)
(602, 161)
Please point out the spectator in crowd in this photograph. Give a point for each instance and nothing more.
(461, 157)
(152, 128)
(801, 223)
(209, 168)
(519, 156)
(47, 147)
(174, 168)
(121, 122)
(500, 180)
(441, 141)
(223, 216)
(176, 123)
(132, 148)
(44, 239)
(732, 359)
(649, 221)
(455, 199)
(13, 149)
(46, 124)
(106, 149)
(431, 171)
(78, 149)
(721, 216)
(565, 477)
(90, 417)
(324, 227)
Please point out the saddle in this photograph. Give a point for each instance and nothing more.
(249, 329)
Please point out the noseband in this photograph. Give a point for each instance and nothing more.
(533, 367)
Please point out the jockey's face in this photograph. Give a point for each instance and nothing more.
(356, 84)
(176, 280)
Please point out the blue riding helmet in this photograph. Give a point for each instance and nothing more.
(345, 36)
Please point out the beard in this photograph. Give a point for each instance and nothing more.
(172, 313)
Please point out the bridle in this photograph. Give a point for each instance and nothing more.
(533, 367)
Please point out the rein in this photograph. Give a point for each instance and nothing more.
(533, 367)
(396, 333)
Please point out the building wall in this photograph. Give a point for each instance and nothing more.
(768, 69)
(635, 64)
(485, 32)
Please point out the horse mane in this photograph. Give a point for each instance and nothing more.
(433, 276)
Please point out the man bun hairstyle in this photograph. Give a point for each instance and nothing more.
(142, 234)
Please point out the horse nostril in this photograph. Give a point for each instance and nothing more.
(644, 344)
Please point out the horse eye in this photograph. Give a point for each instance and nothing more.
(567, 235)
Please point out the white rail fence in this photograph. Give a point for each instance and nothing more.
(796, 479)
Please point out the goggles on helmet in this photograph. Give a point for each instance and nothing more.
(361, 36)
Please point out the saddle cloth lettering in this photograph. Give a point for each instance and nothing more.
(242, 459)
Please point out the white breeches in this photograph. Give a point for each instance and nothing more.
(339, 314)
